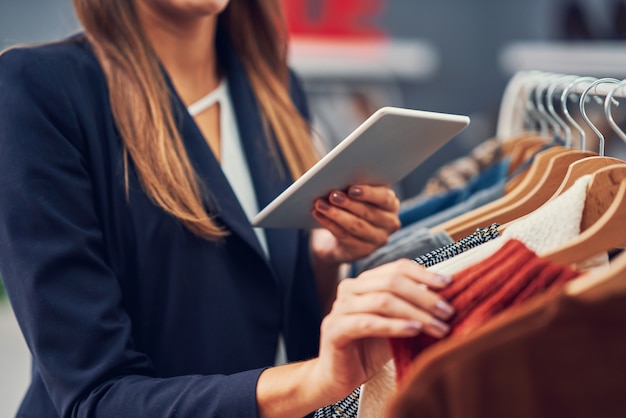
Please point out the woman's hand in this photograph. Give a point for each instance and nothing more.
(356, 223)
(392, 300)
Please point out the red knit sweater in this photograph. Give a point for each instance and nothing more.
(509, 277)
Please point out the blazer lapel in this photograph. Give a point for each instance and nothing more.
(221, 197)
(267, 177)
(269, 180)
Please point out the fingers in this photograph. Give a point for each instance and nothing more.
(397, 291)
(377, 205)
(381, 196)
(348, 328)
(348, 228)
(384, 276)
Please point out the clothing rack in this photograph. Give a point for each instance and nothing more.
(511, 119)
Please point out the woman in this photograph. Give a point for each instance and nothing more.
(137, 280)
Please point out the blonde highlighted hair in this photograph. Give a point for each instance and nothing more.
(141, 108)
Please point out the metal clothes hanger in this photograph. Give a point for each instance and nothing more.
(604, 214)
(538, 172)
(542, 88)
(607, 110)
(617, 268)
(545, 176)
(583, 112)
(551, 93)
(521, 147)
(565, 95)
(603, 187)
(560, 129)
(593, 163)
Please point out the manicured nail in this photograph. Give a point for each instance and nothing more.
(337, 197)
(445, 310)
(413, 326)
(442, 280)
(322, 205)
(440, 328)
(355, 192)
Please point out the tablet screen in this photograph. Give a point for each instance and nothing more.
(381, 151)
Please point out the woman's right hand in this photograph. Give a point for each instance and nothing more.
(393, 300)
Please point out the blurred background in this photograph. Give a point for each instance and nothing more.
(354, 56)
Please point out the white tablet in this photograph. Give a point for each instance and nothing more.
(381, 151)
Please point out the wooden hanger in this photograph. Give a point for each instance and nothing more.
(535, 170)
(604, 215)
(593, 164)
(520, 148)
(602, 190)
(557, 176)
(538, 166)
(613, 279)
(579, 168)
(522, 152)
(604, 280)
(545, 185)
(603, 223)
(576, 170)
(521, 186)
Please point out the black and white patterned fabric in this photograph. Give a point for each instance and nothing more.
(345, 408)
(349, 407)
(480, 236)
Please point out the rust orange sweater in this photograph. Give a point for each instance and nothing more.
(511, 276)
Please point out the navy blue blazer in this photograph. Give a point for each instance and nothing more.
(125, 312)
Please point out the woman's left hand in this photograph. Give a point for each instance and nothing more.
(355, 222)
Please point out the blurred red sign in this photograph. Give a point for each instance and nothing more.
(335, 18)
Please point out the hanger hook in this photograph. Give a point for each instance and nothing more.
(583, 98)
(540, 88)
(531, 107)
(564, 96)
(607, 110)
(567, 131)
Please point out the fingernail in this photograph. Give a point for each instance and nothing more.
(355, 192)
(444, 309)
(442, 280)
(439, 328)
(336, 197)
(322, 205)
(413, 326)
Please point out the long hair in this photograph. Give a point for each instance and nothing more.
(141, 108)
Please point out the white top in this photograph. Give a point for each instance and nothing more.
(233, 159)
(549, 227)
(235, 168)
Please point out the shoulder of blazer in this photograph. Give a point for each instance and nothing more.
(59, 81)
(69, 58)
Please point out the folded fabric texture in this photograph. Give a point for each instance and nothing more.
(456, 174)
(511, 276)
(552, 225)
(414, 210)
(549, 227)
(479, 237)
(403, 244)
(406, 242)
(378, 391)
(559, 355)
(345, 408)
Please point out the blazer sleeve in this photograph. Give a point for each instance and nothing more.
(66, 298)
